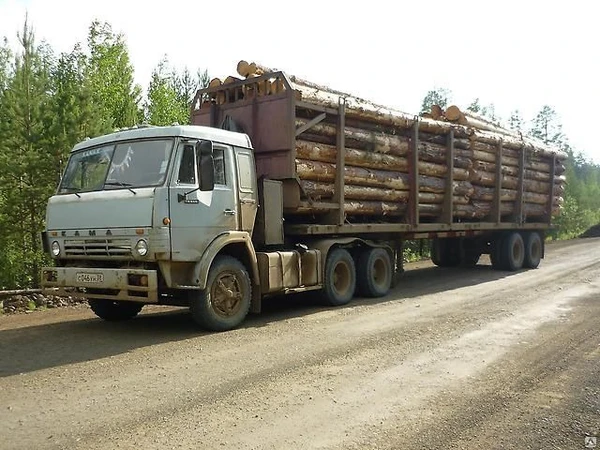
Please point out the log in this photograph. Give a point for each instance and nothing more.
(372, 160)
(436, 112)
(369, 208)
(243, 68)
(277, 86)
(319, 191)
(480, 210)
(320, 171)
(511, 170)
(10, 293)
(365, 110)
(453, 113)
(487, 194)
(379, 142)
(215, 82)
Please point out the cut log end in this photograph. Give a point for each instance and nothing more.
(453, 113)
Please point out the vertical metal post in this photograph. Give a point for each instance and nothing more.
(340, 162)
(551, 193)
(449, 191)
(518, 214)
(413, 171)
(496, 212)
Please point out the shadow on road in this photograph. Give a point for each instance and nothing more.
(38, 347)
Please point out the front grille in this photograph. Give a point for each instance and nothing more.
(112, 248)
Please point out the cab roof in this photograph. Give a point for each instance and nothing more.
(186, 131)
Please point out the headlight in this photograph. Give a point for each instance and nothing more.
(141, 247)
(55, 249)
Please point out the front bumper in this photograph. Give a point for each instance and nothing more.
(136, 285)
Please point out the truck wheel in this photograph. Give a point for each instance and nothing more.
(533, 250)
(340, 277)
(471, 259)
(225, 302)
(496, 254)
(112, 311)
(374, 272)
(445, 252)
(513, 251)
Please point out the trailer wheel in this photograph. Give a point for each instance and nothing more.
(340, 277)
(496, 254)
(225, 302)
(533, 250)
(445, 252)
(113, 311)
(513, 251)
(374, 272)
(471, 258)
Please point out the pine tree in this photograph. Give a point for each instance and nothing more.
(25, 157)
(111, 76)
(516, 121)
(75, 115)
(546, 127)
(170, 94)
(437, 96)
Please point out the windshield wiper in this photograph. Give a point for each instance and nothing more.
(120, 183)
(71, 189)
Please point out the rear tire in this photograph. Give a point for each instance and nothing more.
(114, 311)
(374, 272)
(445, 252)
(533, 250)
(513, 251)
(340, 277)
(225, 302)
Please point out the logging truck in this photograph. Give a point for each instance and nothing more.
(281, 186)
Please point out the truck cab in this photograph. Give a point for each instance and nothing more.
(138, 212)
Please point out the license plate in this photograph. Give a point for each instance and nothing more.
(84, 277)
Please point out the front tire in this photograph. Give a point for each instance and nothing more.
(374, 272)
(225, 302)
(114, 311)
(340, 278)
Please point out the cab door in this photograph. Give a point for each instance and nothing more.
(197, 217)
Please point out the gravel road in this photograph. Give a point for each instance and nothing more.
(451, 359)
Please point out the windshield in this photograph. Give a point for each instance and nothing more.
(124, 165)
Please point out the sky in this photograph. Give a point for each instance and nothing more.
(515, 54)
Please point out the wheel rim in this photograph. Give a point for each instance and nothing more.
(227, 294)
(380, 272)
(342, 278)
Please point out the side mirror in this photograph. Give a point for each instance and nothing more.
(204, 152)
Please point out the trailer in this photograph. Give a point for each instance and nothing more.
(281, 186)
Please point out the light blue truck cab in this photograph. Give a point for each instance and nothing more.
(162, 215)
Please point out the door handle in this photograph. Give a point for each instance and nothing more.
(229, 212)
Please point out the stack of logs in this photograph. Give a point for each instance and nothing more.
(378, 144)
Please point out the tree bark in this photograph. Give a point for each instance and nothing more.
(372, 160)
(320, 171)
(319, 191)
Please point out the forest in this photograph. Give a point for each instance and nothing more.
(50, 101)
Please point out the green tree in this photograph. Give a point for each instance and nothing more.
(25, 155)
(516, 121)
(546, 127)
(170, 94)
(436, 96)
(111, 76)
(75, 115)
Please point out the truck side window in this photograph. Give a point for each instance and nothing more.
(219, 158)
(187, 168)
